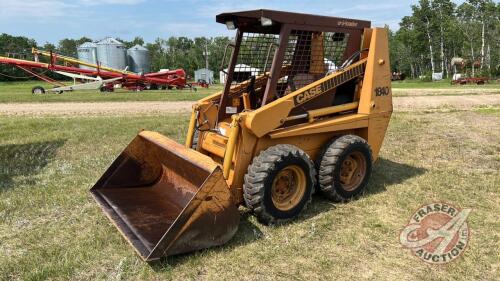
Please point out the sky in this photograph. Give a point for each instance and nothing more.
(53, 20)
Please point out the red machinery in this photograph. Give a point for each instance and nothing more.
(101, 79)
(469, 80)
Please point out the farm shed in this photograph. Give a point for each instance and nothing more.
(204, 74)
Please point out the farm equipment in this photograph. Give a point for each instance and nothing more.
(103, 78)
(295, 125)
(398, 76)
(202, 83)
(469, 80)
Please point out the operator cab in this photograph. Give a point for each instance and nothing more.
(276, 53)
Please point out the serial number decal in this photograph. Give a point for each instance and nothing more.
(382, 91)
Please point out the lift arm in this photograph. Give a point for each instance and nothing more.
(274, 114)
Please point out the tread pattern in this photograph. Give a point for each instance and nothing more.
(330, 161)
(260, 169)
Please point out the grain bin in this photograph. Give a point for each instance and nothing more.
(138, 59)
(87, 52)
(112, 53)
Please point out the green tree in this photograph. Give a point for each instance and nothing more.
(17, 47)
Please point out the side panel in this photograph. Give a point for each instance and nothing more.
(376, 93)
(376, 131)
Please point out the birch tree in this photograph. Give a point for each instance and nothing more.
(444, 12)
(423, 18)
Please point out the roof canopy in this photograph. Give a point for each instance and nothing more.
(251, 20)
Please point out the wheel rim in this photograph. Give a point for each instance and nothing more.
(38, 91)
(288, 187)
(352, 171)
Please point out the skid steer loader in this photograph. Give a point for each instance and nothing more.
(305, 106)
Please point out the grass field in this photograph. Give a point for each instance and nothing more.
(21, 92)
(443, 84)
(13, 92)
(50, 228)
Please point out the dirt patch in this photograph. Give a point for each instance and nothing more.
(458, 102)
(447, 91)
(407, 103)
(90, 108)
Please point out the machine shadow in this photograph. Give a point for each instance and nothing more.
(385, 173)
(25, 161)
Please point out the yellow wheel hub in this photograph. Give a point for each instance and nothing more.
(288, 188)
(352, 171)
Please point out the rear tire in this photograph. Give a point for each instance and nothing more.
(279, 184)
(345, 168)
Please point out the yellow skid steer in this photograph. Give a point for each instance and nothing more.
(305, 107)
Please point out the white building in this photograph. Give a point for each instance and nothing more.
(242, 72)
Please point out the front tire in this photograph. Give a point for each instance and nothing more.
(345, 168)
(279, 184)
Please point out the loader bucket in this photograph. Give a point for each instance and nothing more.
(166, 199)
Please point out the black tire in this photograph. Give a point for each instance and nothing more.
(38, 90)
(257, 189)
(105, 89)
(330, 166)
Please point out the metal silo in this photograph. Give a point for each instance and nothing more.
(138, 59)
(111, 53)
(87, 52)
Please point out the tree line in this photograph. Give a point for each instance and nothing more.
(438, 37)
(443, 37)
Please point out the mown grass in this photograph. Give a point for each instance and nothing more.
(443, 84)
(21, 92)
(489, 110)
(50, 228)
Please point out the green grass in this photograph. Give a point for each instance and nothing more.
(488, 110)
(443, 84)
(21, 92)
(50, 228)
